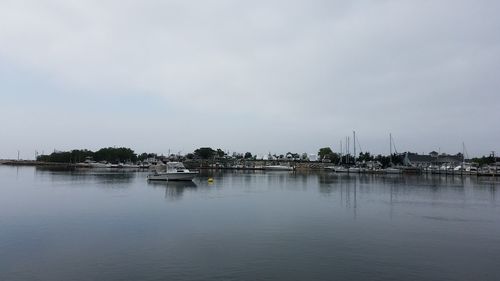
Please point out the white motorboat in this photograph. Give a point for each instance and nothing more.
(340, 169)
(172, 171)
(130, 166)
(330, 168)
(433, 169)
(392, 170)
(99, 165)
(278, 168)
(353, 170)
(92, 164)
(471, 169)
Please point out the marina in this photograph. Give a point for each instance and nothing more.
(345, 160)
(249, 140)
(361, 168)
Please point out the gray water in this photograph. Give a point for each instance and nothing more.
(104, 225)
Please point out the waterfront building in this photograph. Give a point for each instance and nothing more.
(313, 157)
(433, 158)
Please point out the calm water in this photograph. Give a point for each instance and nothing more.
(98, 225)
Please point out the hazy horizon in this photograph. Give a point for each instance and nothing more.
(257, 76)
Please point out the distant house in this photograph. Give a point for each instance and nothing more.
(450, 159)
(313, 157)
(175, 157)
(150, 160)
(292, 156)
(163, 158)
(419, 160)
(270, 157)
(414, 159)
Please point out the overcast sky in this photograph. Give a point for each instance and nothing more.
(259, 76)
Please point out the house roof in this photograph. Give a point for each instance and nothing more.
(450, 158)
(420, 158)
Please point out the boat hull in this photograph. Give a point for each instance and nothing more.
(341, 170)
(278, 168)
(187, 176)
(392, 171)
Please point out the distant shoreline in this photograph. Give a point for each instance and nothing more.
(204, 165)
(12, 162)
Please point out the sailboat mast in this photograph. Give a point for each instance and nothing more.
(340, 158)
(345, 150)
(463, 155)
(390, 148)
(354, 142)
(348, 149)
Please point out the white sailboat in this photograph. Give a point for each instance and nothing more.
(391, 169)
(339, 168)
(355, 168)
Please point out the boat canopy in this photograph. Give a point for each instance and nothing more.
(160, 167)
(175, 165)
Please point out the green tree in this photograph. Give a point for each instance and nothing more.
(334, 157)
(365, 156)
(112, 154)
(248, 155)
(109, 154)
(484, 160)
(323, 152)
(204, 152)
(145, 156)
(397, 159)
(57, 157)
(220, 152)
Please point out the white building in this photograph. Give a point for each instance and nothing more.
(313, 157)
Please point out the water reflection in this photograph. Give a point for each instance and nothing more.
(173, 189)
(106, 177)
(273, 226)
(356, 190)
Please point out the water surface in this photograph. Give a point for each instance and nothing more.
(108, 225)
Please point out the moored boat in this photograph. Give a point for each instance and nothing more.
(353, 169)
(330, 168)
(392, 170)
(278, 168)
(340, 169)
(172, 171)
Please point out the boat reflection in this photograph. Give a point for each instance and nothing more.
(173, 189)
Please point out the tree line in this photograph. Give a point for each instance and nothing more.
(109, 154)
(123, 154)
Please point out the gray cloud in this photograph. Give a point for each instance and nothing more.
(254, 75)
